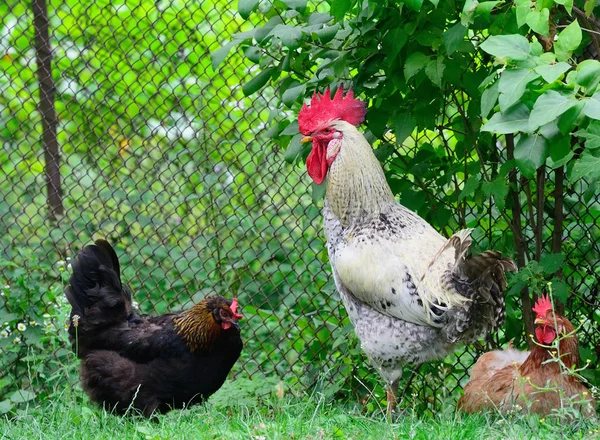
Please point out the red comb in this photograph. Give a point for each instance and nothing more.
(234, 307)
(542, 306)
(324, 109)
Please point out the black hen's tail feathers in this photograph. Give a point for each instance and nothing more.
(95, 291)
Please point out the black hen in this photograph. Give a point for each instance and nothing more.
(152, 364)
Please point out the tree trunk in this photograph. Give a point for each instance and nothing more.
(46, 108)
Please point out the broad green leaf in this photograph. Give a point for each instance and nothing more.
(550, 263)
(338, 8)
(560, 149)
(414, 64)
(5, 406)
(498, 189)
(568, 40)
(548, 107)
(560, 291)
(538, 21)
(531, 152)
(588, 7)
(299, 5)
(588, 74)
(484, 9)
(591, 134)
(291, 94)
(393, 41)
(219, 55)
(258, 82)
(515, 119)
(592, 106)
(523, 9)
(22, 396)
(568, 120)
(512, 85)
(294, 149)
(514, 47)
(568, 4)
(262, 32)
(489, 98)
(468, 12)
(453, 37)
(246, 7)
(470, 186)
(405, 124)
(587, 166)
(435, 71)
(289, 35)
(551, 72)
(415, 5)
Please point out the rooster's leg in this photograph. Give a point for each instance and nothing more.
(391, 389)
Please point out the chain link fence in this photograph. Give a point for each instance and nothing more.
(167, 159)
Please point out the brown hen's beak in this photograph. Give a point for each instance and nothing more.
(306, 139)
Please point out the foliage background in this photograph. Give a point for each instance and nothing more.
(175, 122)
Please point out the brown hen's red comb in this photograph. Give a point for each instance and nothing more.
(542, 306)
(234, 307)
(324, 109)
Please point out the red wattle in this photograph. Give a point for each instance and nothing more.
(545, 334)
(316, 163)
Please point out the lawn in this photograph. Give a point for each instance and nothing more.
(70, 416)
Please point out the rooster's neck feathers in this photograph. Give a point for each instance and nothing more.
(198, 327)
(356, 183)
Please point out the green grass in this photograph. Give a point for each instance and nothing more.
(70, 416)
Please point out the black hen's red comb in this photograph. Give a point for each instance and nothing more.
(234, 308)
(323, 109)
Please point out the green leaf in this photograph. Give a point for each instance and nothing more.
(592, 106)
(393, 41)
(258, 82)
(219, 55)
(559, 149)
(568, 40)
(588, 7)
(468, 12)
(568, 4)
(339, 8)
(22, 396)
(548, 107)
(289, 35)
(405, 124)
(246, 7)
(587, 166)
(498, 189)
(470, 186)
(588, 74)
(523, 9)
(488, 99)
(515, 119)
(5, 406)
(484, 9)
(435, 71)
(538, 21)
(318, 191)
(551, 72)
(414, 64)
(531, 152)
(294, 149)
(591, 134)
(514, 47)
(560, 291)
(550, 263)
(415, 5)
(453, 37)
(298, 5)
(512, 85)
(567, 120)
(291, 94)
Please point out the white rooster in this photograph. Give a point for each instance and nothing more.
(411, 294)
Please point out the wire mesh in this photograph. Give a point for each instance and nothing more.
(169, 161)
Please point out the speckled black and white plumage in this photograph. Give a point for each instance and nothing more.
(411, 294)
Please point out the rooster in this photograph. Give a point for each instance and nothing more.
(508, 379)
(411, 294)
(152, 364)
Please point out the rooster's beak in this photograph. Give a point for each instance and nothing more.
(539, 321)
(306, 139)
